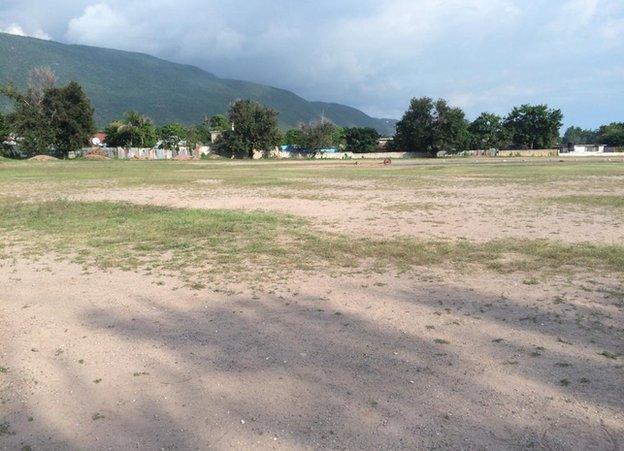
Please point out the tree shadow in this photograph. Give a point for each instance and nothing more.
(299, 372)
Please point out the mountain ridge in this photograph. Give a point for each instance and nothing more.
(118, 80)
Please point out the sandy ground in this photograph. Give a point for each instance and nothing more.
(479, 213)
(433, 359)
(113, 360)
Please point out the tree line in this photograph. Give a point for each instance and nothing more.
(56, 120)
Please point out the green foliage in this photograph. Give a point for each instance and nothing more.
(361, 139)
(612, 134)
(49, 119)
(167, 92)
(70, 117)
(254, 127)
(28, 121)
(135, 130)
(487, 132)
(429, 126)
(293, 137)
(577, 135)
(534, 126)
(219, 123)
(171, 135)
(4, 127)
(319, 135)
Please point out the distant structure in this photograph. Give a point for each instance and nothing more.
(98, 140)
(589, 148)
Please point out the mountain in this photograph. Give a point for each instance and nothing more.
(117, 81)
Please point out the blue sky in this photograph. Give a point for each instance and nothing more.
(482, 55)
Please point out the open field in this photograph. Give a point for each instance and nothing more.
(429, 304)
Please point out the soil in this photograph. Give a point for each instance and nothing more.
(113, 360)
(93, 359)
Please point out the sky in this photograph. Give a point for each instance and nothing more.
(481, 55)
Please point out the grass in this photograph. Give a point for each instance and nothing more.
(589, 202)
(187, 242)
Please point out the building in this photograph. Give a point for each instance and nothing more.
(98, 140)
(588, 148)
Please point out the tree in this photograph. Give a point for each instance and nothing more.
(487, 132)
(361, 139)
(171, 135)
(219, 123)
(293, 137)
(254, 127)
(577, 135)
(135, 130)
(202, 133)
(612, 134)
(70, 115)
(318, 135)
(430, 127)
(27, 118)
(4, 128)
(534, 126)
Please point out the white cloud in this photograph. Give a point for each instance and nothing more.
(17, 30)
(372, 54)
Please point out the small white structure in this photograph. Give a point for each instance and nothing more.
(588, 148)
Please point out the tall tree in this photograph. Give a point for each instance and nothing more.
(534, 126)
(171, 135)
(318, 135)
(4, 127)
(134, 130)
(219, 123)
(293, 137)
(70, 114)
(361, 139)
(612, 134)
(27, 117)
(430, 126)
(254, 127)
(578, 135)
(487, 132)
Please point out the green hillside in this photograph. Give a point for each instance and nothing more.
(117, 81)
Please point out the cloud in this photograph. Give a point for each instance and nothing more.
(17, 30)
(372, 54)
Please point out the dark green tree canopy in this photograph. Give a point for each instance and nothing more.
(612, 134)
(134, 130)
(219, 123)
(171, 135)
(487, 132)
(318, 135)
(429, 126)
(254, 127)
(293, 137)
(5, 130)
(534, 126)
(49, 119)
(578, 135)
(70, 114)
(361, 139)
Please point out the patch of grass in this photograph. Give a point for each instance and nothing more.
(5, 429)
(97, 416)
(441, 341)
(186, 242)
(609, 355)
(4, 369)
(589, 201)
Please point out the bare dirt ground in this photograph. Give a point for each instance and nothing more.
(479, 213)
(113, 361)
(434, 358)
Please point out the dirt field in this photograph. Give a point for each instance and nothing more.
(297, 305)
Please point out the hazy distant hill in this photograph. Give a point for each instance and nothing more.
(117, 81)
